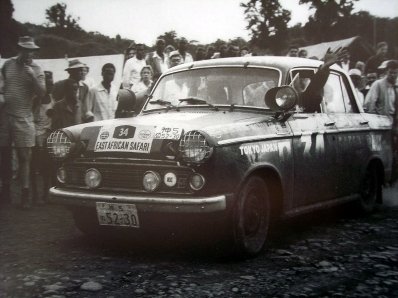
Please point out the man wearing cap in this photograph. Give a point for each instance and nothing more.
(77, 72)
(23, 79)
(381, 98)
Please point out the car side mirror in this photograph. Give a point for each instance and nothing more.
(126, 103)
(281, 99)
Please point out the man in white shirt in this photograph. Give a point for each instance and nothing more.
(158, 60)
(102, 101)
(182, 49)
(132, 68)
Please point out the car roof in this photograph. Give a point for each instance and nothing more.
(280, 62)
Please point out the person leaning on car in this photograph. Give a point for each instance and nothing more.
(382, 99)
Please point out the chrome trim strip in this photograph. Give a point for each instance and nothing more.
(144, 204)
(252, 138)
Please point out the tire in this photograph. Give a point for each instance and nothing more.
(370, 191)
(251, 218)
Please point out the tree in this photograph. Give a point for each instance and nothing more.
(169, 37)
(267, 21)
(10, 30)
(239, 41)
(57, 17)
(326, 22)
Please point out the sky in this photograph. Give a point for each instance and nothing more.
(201, 20)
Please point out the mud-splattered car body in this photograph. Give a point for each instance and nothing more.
(205, 144)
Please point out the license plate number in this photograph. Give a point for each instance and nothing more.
(114, 214)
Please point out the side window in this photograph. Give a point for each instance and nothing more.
(334, 93)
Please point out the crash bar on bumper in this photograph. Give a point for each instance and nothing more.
(145, 204)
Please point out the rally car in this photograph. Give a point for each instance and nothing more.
(227, 141)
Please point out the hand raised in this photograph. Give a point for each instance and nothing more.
(335, 56)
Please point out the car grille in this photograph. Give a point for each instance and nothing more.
(127, 177)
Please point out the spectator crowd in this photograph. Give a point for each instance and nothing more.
(32, 105)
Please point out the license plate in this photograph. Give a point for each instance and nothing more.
(114, 214)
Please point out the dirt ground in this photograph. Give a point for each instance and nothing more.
(329, 254)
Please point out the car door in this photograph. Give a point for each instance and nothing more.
(352, 134)
(314, 148)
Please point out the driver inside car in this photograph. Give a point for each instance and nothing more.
(310, 85)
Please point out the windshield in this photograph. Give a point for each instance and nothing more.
(212, 86)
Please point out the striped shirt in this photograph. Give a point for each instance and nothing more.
(19, 88)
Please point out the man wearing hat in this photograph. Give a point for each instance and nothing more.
(23, 79)
(77, 72)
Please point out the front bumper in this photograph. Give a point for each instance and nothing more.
(144, 203)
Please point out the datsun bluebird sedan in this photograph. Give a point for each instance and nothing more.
(230, 141)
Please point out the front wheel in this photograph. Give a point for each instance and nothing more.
(251, 218)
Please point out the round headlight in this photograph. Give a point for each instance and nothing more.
(61, 175)
(59, 144)
(92, 178)
(194, 147)
(197, 181)
(151, 181)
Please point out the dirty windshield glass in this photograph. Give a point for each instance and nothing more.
(224, 86)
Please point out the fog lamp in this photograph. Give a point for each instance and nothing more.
(92, 178)
(170, 179)
(151, 181)
(197, 181)
(59, 144)
(194, 147)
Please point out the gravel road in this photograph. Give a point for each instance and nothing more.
(328, 254)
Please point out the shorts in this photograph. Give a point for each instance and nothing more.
(17, 130)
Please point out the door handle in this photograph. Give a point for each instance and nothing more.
(331, 123)
(364, 122)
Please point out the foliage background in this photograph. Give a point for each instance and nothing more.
(266, 20)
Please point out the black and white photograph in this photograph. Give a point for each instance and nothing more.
(213, 148)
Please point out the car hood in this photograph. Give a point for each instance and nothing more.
(146, 133)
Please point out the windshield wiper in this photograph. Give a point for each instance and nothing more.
(193, 100)
(197, 100)
(166, 103)
(161, 102)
